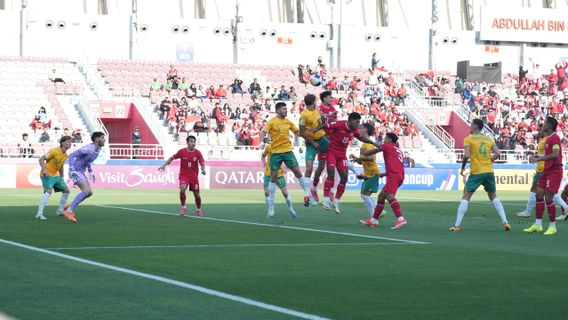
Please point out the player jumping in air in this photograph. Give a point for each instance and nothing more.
(190, 161)
(52, 176)
(394, 166)
(79, 161)
(482, 151)
(550, 179)
(281, 151)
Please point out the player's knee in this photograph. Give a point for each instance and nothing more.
(89, 193)
(49, 191)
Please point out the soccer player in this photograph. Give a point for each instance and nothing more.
(316, 142)
(340, 134)
(52, 176)
(561, 200)
(190, 160)
(328, 116)
(280, 182)
(79, 161)
(370, 169)
(281, 151)
(394, 166)
(550, 179)
(479, 148)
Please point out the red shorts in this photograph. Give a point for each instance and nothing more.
(550, 181)
(322, 156)
(394, 181)
(337, 160)
(191, 182)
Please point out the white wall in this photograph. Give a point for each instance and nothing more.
(9, 33)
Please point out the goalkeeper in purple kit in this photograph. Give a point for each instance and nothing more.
(79, 162)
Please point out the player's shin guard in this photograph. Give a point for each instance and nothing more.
(340, 191)
(379, 209)
(530, 202)
(327, 187)
(539, 209)
(43, 202)
(551, 208)
(500, 210)
(305, 184)
(271, 193)
(395, 207)
(198, 202)
(182, 198)
(289, 202)
(316, 181)
(78, 199)
(462, 209)
(369, 204)
(62, 201)
(267, 201)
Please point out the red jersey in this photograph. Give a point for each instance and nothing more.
(553, 142)
(189, 162)
(393, 158)
(325, 110)
(340, 135)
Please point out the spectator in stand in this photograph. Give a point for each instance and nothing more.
(172, 73)
(283, 95)
(201, 93)
(561, 67)
(293, 94)
(210, 92)
(44, 118)
(25, 147)
(372, 80)
(165, 107)
(44, 137)
(183, 86)
(345, 83)
(374, 62)
(254, 89)
(199, 127)
(331, 84)
(36, 124)
(168, 86)
(407, 160)
(245, 137)
(237, 86)
(66, 133)
(191, 91)
(136, 140)
(155, 85)
(401, 94)
(221, 92)
(522, 74)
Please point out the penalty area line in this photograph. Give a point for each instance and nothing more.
(269, 225)
(176, 283)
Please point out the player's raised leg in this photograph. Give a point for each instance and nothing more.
(81, 181)
(281, 183)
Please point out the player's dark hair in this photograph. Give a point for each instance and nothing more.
(553, 123)
(393, 137)
(280, 105)
(190, 138)
(370, 128)
(324, 95)
(63, 139)
(309, 99)
(478, 123)
(354, 116)
(96, 134)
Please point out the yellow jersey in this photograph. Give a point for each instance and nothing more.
(54, 161)
(480, 152)
(278, 130)
(370, 168)
(311, 119)
(540, 151)
(266, 153)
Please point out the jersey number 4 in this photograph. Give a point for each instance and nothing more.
(483, 150)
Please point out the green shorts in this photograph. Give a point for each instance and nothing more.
(280, 181)
(56, 183)
(536, 177)
(485, 179)
(276, 160)
(371, 185)
(311, 152)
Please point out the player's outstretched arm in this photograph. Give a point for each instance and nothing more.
(554, 155)
(163, 167)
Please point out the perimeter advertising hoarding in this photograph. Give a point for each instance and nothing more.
(510, 179)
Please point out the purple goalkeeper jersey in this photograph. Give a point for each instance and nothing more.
(82, 158)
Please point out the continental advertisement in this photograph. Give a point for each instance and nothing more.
(510, 179)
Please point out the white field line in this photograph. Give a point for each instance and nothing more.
(269, 225)
(243, 245)
(181, 284)
(457, 201)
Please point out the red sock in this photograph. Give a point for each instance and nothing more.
(316, 181)
(198, 202)
(539, 208)
(182, 198)
(340, 190)
(395, 207)
(379, 209)
(551, 207)
(328, 184)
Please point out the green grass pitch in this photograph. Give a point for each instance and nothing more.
(321, 264)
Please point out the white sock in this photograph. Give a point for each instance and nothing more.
(500, 211)
(552, 225)
(375, 221)
(267, 201)
(369, 204)
(271, 192)
(462, 209)
(351, 167)
(558, 199)
(531, 202)
(42, 203)
(289, 202)
(538, 222)
(305, 184)
(62, 201)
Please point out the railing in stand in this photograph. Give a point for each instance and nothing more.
(140, 151)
